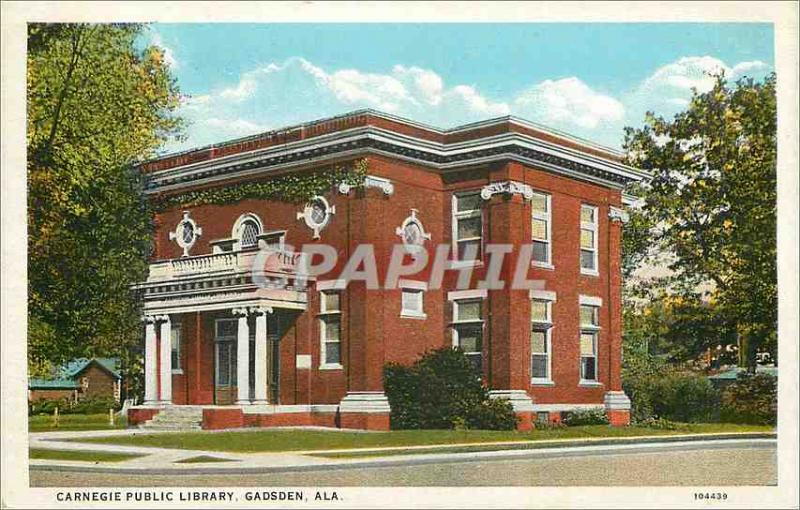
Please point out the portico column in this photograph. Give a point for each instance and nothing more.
(242, 359)
(166, 360)
(260, 396)
(150, 362)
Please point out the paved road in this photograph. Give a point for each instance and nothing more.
(736, 465)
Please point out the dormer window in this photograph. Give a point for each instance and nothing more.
(246, 231)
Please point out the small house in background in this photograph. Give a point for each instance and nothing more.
(82, 378)
(727, 377)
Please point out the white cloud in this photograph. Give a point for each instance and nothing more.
(296, 90)
(169, 54)
(569, 101)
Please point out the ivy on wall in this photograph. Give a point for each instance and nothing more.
(296, 188)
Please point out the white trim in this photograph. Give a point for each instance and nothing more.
(506, 187)
(591, 383)
(545, 295)
(455, 216)
(409, 312)
(323, 317)
(237, 227)
(331, 284)
(467, 294)
(547, 217)
(590, 300)
(546, 327)
(412, 284)
(308, 215)
(564, 407)
(369, 402)
(372, 132)
(594, 227)
(331, 366)
(521, 402)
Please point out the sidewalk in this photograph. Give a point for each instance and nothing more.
(163, 460)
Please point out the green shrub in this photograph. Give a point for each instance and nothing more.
(442, 391)
(46, 406)
(86, 406)
(751, 399)
(93, 406)
(673, 395)
(585, 417)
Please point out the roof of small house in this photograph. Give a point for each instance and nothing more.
(53, 384)
(72, 368)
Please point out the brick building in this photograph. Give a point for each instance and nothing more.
(78, 379)
(240, 353)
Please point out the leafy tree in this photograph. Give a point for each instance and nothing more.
(711, 203)
(97, 104)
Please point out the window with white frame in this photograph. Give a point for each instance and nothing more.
(175, 341)
(541, 229)
(249, 234)
(330, 329)
(412, 303)
(468, 330)
(468, 225)
(588, 239)
(541, 344)
(590, 327)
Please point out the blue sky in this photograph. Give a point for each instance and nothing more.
(590, 80)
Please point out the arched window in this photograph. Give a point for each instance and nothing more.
(246, 231)
(250, 233)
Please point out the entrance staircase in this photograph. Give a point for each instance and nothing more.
(176, 418)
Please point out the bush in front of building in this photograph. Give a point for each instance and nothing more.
(673, 395)
(753, 398)
(86, 406)
(584, 417)
(442, 391)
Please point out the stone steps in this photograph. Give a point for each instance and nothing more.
(176, 418)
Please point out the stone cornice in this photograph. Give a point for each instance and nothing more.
(363, 141)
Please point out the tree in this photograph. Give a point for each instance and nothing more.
(711, 202)
(96, 106)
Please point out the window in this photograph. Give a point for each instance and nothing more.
(468, 330)
(330, 330)
(412, 303)
(590, 327)
(246, 231)
(588, 239)
(250, 233)
(541, 325)
(176, 348)
(543, 417)
(541, 229)
(467, 226)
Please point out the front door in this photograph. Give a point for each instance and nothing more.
(225, 361)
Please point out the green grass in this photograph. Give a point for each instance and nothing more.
(202, 458)
(41, 423)
(39, 453)
(265, 440)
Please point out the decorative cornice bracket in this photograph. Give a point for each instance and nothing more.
(617, 215)
(508, 188)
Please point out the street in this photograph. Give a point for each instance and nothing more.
(733, 465)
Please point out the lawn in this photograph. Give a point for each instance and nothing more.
(39, 453)
(43, 423)
(265, 440)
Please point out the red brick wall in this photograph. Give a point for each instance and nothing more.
(34, 395)
(372, 330)
(101, 383)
